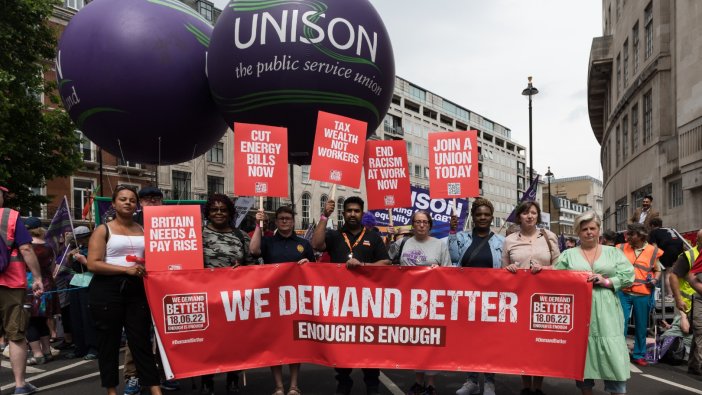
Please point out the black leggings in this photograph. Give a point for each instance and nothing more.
(116, 302)
(37, 329)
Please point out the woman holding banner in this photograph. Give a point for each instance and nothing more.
(530, 248)
(424, 250)
(223, 246)
(477, 248)
(116, 295)
(607, 353)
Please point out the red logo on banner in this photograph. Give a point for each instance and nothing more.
(453, 164)
(261, 160)
(387, 179)
(552, 312)
(185, 312)
(338, 150)
(172, 237)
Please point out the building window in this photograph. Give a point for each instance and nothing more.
(635, 48)
(181, 185)
(647, 117)
(74, 4)
(81, 191)
(620, 214)
(625, 137)
(625, 59)
(216, 153)
(418, 171)
(617, 147)
(206, 9)
(638, 195)
(85, 147)
(648, 31)
(340, 210)
(306, 198)
(305, 173)
(619, 74)
(634, 128)
(215, 185)
(322, 202)
(675, 194)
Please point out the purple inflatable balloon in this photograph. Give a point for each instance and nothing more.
(279, 62)
(131, 74)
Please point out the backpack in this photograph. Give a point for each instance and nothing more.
(5, 250)
(396, 259)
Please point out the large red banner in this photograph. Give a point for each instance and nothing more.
(387, 179)
(338, 150)
(261, 156)
(452, 319)
(453, 164)
(172, 237)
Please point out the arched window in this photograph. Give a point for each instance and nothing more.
(306, 198)
(322, 202)
(340, 210)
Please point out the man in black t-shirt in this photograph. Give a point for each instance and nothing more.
(355, 247)
(670, 243)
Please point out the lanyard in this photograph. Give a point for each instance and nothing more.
(348, 243)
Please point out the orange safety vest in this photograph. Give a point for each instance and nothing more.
(15, 276)
(644, 265)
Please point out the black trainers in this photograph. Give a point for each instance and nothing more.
(416, 389)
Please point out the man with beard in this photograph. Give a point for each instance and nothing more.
(355, 247)
(645, 213)
(477, 248)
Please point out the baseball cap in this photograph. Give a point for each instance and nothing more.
(150, 191)
(32, 223)
(80, 231)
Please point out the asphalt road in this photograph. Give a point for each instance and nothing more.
(71, 377)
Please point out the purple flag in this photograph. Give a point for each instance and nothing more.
(310, 231)
(60, 226)
(529, 195)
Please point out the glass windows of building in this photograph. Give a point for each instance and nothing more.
(85, 147)
(638, 195)
(306, 199)
(648, 31)
(635, 48)
(675, 194)
(647, 117)
(74, 4)
(625, 137)
(340, 210)
(625, 63)
(215, 185)
(82, 188)
(181, 185)
(305, 169)
(619, 74)
(621, 216)
(322, 202)
(216, 153)
(634, 127)
(206, 9)
(618, 146)
(417, 93)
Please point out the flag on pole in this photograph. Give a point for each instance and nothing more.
(310, 231)
(61, 226)
(529, 195)
(87, 209)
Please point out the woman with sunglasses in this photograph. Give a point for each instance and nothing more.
(224, 246)
(116, 295)
(424, 250)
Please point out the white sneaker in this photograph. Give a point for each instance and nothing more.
(469, 388)
(489, 388)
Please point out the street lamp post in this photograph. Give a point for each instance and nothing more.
(530, 91)
(548, 176)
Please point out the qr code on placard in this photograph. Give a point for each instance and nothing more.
(335, 175)
(261, 187)
(454, 188)
(389, 200)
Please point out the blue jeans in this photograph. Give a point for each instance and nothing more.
(639, 305)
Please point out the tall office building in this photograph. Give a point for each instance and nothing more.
(644, 104)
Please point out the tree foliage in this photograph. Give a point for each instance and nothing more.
(36, 143)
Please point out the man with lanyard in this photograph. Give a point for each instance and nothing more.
(355, 247)
(282, 247)
(13, 284)
(689, 303)
(647, 269)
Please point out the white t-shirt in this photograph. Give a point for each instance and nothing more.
(426, 253)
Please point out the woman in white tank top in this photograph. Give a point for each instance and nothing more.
(117, 297)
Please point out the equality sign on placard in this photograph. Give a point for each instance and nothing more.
(261, 160)
(373, 316)
(453, 164)
(173, 237)
(338, 150)
(387, 179)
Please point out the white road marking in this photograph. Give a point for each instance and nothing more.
(634, 369)
(690, 389)
(49, 373)
(60, 383)
(390, 385)
(30, 369)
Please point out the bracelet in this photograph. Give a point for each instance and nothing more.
(608, 283)
(323, 218)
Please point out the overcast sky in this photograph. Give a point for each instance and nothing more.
(479, 54)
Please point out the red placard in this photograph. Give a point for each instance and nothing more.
(261, 160)
(373, 317)
(387, 179)
(338, 150)
(173, 237)
(453, 164)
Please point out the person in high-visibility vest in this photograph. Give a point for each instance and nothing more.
(647, 269)
(689, 301)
